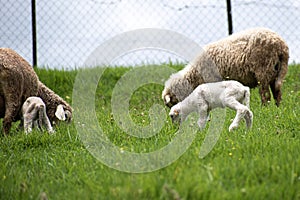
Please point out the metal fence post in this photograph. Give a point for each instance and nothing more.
(229, 16)
(34, 42)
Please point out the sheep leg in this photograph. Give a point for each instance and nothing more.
(241, 111)
(40, 115)
(264, 93)
(36, 124)
(249, 115)
(239, 115)
(246, 100)
(30, 117)
(203, 116)
(276, 92)
(47, 123)
(28, 120)
(2, 107)
(249, 119)
(12, 107)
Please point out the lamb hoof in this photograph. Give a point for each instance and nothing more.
(232, 127)
(28, 131)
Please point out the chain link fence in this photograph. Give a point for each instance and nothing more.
(69, 31)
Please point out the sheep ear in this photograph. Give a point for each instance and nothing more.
(60, 113)
(167, 99)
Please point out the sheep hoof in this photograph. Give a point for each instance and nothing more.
(232, 127)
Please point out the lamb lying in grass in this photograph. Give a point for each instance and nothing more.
(208, 96)
(34, 113)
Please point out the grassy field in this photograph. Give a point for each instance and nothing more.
(263, 163)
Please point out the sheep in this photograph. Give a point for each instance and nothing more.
(208, 96)
(254, 57)
(34, 112)
(18, 81)
(57, 108)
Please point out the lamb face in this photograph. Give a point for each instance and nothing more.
(175, 114)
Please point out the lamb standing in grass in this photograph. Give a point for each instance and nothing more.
(208, 96)
(255, 57)
(34, 113)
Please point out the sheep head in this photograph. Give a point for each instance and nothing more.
(63, 113)
(176, 89)
(169, 98)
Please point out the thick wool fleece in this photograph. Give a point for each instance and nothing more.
(18, 81)
(254, 57)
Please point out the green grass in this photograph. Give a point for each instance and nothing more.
(263, 163)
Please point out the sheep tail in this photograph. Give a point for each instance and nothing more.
(280, 75)
(281, 67)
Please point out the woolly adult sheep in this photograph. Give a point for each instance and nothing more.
(57, 108)
(18, 81)
(254, 57)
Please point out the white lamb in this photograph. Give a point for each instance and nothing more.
(34, 113)
(208, 96)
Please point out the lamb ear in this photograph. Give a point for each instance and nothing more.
(167, 99)
(60, 113)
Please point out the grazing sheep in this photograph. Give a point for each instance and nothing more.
(34, 112)
(208, 96)
(18, 81)
(57, 108)
(255, 57)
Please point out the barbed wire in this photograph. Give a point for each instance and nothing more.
(191, 6)
(268, 4)
(206, 4)
(107, 2)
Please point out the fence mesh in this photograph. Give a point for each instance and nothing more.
(69, 31)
